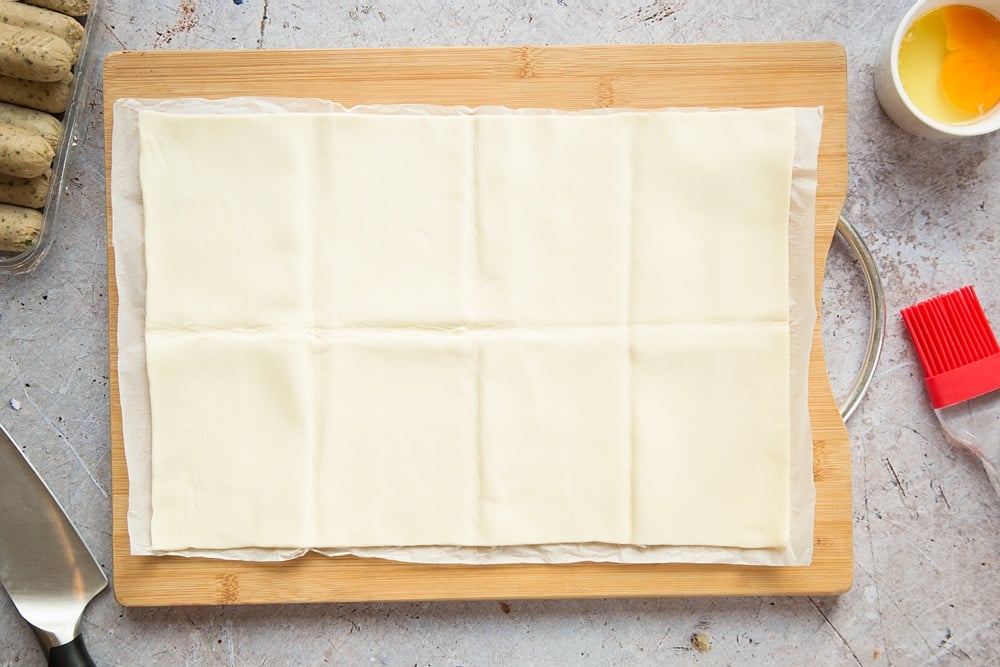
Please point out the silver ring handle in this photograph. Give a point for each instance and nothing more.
(876, 303)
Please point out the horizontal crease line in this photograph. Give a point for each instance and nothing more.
(458, 329)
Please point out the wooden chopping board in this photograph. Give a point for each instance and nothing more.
(724, 75)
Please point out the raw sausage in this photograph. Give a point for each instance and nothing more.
(28, 192)
(52, 97)
(33, 55)
(19, 228)
(23, 153)
(38, 122)
(45, 20)
(71, 7)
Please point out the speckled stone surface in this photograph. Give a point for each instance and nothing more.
(927, 530)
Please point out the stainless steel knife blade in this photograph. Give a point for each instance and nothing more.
(45, 567)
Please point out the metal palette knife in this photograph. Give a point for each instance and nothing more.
(45, 567)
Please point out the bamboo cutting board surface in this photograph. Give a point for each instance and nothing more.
(735, 75)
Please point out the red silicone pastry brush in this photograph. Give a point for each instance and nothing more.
(961, 360)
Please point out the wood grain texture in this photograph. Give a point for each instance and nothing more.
(718, 75)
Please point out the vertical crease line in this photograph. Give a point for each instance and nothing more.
(472, 292)
(314, 154)
(629, 299)
(479, 537)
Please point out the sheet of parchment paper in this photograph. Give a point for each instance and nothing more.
(130, 273)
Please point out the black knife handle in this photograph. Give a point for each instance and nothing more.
(70, 654)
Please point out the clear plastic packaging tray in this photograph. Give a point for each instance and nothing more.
(29, 259)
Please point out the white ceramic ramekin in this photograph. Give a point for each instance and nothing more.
(893, 98)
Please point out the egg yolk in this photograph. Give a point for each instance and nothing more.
(949, 63)
(970, 73)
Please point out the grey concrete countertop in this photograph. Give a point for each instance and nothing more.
(926, 527)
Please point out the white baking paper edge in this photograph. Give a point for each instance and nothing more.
(130, 274)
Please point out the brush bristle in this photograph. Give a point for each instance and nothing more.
(950, 332)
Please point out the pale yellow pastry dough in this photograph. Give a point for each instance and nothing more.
(555, 420)
(234, 434)
(397, 462)
(468, 329)
(710, 232)
(219, 227)
(553, 209)
(392, 219)
(712, 392)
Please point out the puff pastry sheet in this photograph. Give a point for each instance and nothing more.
(483, 329)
